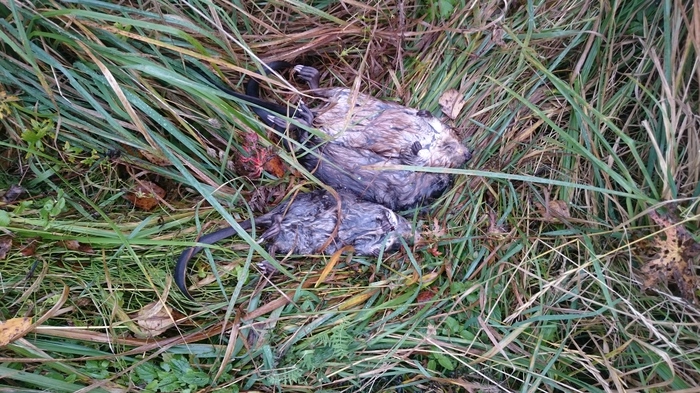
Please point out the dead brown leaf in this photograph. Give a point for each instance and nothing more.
(555, 211)
(673, 261)
(154, 318)
(75, 245)
(30, 249)
(434, 251)
(437, 230)
(275, 166)
(12, 329)
(145, 195)
(155, 159)
(5, 245)
(425, 295)
(497, 37)
(494, 227)
(452, 103)
(331, 264)
(12, 194)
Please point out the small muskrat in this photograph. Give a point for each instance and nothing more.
(303, 224)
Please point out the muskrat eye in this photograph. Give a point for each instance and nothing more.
(424, 113)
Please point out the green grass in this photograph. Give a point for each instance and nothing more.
(583, 120)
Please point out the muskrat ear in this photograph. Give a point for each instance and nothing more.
(416, 147)
(424, 113)
(385, 221)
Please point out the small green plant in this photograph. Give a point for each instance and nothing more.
(52, 207)
(77, 154)
(5, 100)
(35, 135)
(174, 375)
(98, 369)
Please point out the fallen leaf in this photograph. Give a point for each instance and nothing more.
(425, 295)
(331, 264)
(673, 261)
(71, 244)
(434, 251)
(145, 195)
(357, 300)
(494, 226)
(437, 230)
(497, 37)
(154, 318)
(265, 196)
(452, 103)
(30, 249)
(554, 211)
(13, 194)
(75, 245)
(12, 329)
(155, 159)
(275, 166)
(5, 245)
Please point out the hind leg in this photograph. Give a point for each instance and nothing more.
(308, 74)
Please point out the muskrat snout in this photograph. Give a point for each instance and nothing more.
(466, 155)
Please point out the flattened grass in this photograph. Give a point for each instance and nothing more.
(583, 119)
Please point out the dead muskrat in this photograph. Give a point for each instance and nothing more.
(409, 136)
(304, 223)
(360, 135)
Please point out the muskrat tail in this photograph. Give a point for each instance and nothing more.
(252, 88)
(180, 272)
(304, 114)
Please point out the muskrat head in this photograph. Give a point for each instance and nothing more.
(437, 146)
(449, 152)
(443, 150)
(380, 229)
(389, 228)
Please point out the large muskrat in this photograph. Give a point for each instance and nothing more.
(304, 223)
(363, 135)
(357, 120)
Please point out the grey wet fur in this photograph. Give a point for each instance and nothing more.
(304, 223)
(359, 171)
(359, 134)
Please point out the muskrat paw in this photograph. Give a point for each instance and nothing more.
(266, 268)
(304, 115)
(308, 74)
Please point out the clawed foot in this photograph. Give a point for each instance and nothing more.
(266, 268)
(308, 74)
(303, 115)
